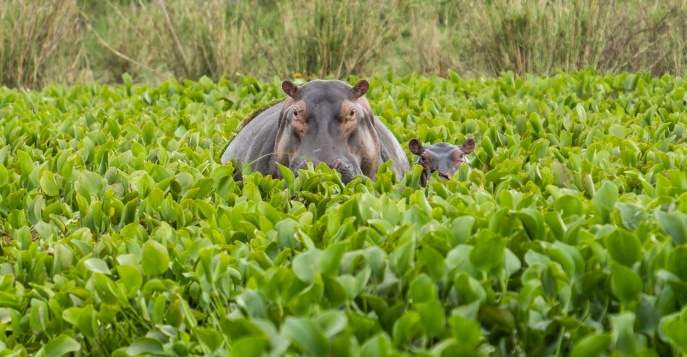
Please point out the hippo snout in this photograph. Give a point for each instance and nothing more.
(347, 169)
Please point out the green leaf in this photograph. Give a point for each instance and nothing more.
(407, 329)
(250, 346)
(60, 346)
(631, 214)
(83, 318)
(331, 258)
(92, 182)
(332, 322)
(25, 163)
(4, 175)
(488, 253)
(148, 133)
(288, 176)
(624, 247)
(130, 278)
(462, 227)
(533, 223)
(604, 201)
(432, 316)
(401, 258)
(145, 345)
(677, 262)
(625, 283)
(673, 224)
(97, 265)
(48, 184)
(433, 260)
(592, 345)
(106, 289)
(422, 289)
(154, 258)
(209, 338)
(674, 328)
(467, 332)
(469, 290)
(306, 265)
(306, 334)
(623, 333)
(377, 346)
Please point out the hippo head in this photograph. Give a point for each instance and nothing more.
(329, 122)
(442, 157)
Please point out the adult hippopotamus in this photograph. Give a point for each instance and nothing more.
(442, 157)
(321, 121)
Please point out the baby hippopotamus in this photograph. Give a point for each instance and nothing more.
(442, 157)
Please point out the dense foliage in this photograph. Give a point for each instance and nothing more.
(122, 233)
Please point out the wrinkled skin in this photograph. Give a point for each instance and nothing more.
(442, 157)
(320, 122)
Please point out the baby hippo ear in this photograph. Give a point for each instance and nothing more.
(416, 147)
(360, 88)
(468, 146)
(290, 89)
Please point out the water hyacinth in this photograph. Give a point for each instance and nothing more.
(122, 233)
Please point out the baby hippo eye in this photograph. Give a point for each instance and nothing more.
(295, 113)
(352, 113)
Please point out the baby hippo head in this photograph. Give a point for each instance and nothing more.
(444, 158)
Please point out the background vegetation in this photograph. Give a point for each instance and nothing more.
(69, 41)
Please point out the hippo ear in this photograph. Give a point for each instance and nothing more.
(290, 89)
(468, 146)
(360, 88)
(415, 147)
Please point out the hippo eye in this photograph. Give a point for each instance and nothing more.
(352, 113)
(295, 113)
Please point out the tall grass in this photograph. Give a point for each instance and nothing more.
(39, 42)
(160, 39)
(154, 40)
(333, 37)
(542, 36)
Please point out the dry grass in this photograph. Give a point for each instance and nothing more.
(40, 42)
(542, 36)
(332, 37)
(154, 40)
(158, 39)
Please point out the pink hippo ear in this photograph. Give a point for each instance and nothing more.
(468, 146)
(361, 88)
(290, 89)
(416, 147)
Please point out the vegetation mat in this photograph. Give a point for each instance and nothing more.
(122, 234)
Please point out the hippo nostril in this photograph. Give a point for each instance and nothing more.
(337, 164)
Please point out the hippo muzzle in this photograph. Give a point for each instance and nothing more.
(347, 169)
(443, 158)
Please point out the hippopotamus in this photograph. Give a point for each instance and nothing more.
(322, 121)
(442, 157)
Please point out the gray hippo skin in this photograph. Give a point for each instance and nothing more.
(442, 157)
(321, 121)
